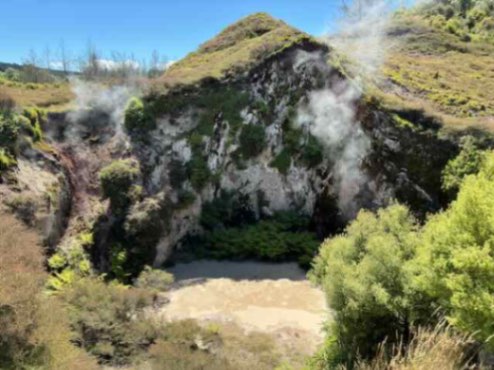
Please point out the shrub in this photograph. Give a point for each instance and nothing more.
(252, 141)
(185, 199)
(312, 152)
(6, 160)
(468, 162)
(367, 284)
(155, 280)
(30, 127)
(144, 225)
(70, 263)
(198, 171)
(8, 133)
(227, 210)
(270, 240)
(136, 118)
(282, 162)
(116, 180)
(455, 262)
(108, 319)
(178, 348)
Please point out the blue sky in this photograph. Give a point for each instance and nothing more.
(173, 27)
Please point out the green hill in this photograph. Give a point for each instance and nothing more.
(237, 48)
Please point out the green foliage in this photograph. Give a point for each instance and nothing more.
(383, 273)
(364, 275)
(227, 210)
(455, 264)
(252, 141)
(70, 264)
(6, 160)
(137, 119)
(312, 152)
(308, 151)
(108, 320)
(282, 238)
(198, 171)
(282, 162)
(8, 133)
(155, 280)
(116, 180)
(118, 258)
(34, 116)
(226, 103)
(468, 162)
(143, 226)
(185, 199)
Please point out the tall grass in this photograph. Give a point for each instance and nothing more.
(440, 348)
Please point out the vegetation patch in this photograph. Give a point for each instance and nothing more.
(137, 118)
(252, 141)
(386, 273)
(232, 232)
(116, 181)
(237, 48)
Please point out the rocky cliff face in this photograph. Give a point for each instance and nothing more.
(244, 137)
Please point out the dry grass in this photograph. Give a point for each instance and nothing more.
(439, 349)
(33, 328)
(51, 96)
(235, 49)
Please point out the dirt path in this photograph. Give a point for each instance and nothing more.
(269, 298)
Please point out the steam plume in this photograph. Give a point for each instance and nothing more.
(330, 117)
(93, 97)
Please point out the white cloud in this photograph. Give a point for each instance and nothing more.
(111, 65)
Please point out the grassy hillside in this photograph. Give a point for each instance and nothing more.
(235, 49)
(442, 61)
(55, 96)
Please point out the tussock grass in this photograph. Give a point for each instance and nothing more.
(440, 348)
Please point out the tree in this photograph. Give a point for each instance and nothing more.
(364, 274)
(455, 259)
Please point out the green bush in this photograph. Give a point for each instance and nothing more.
(312, 152)
(6, 160)
(468, 162)
(455, 263)
(155, 280)
(279, 239)
(8, 133)
(282, 162)
(143, 226)
(227, 210)
(198, 171)
(252, 141)
(137, 120)
(116, 180)
(364, 274)
(30, 126)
